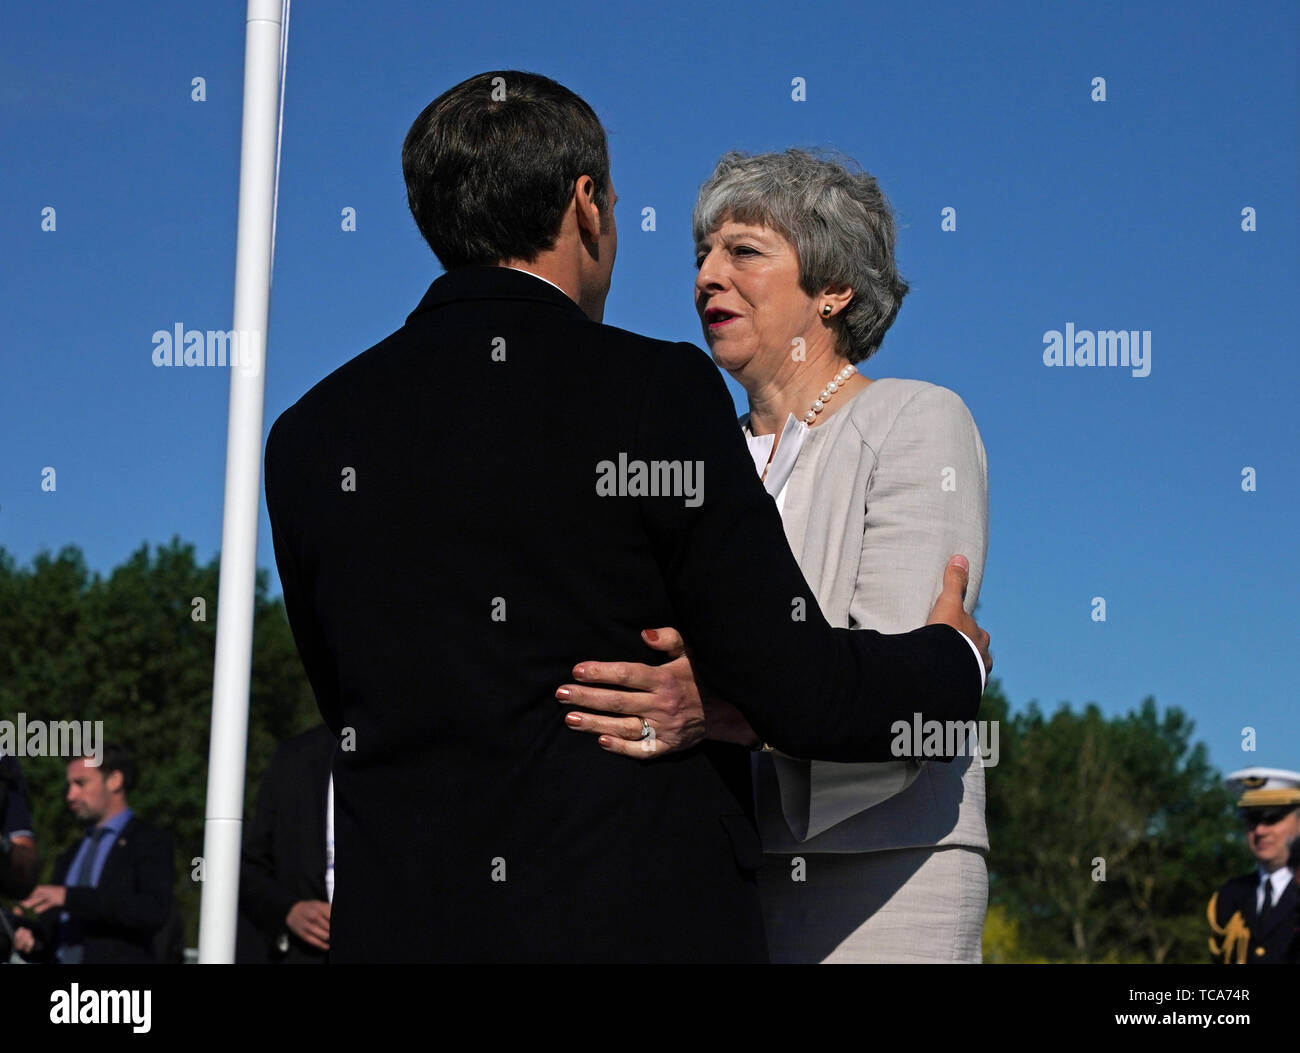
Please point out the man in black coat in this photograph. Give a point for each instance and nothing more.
(506, 486)
(282, 887)
(111, 891)
(1255, 918)
(18, 858)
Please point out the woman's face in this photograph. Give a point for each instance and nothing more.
(749, 301)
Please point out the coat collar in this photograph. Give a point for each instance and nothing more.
(491, 283)
(123, 834)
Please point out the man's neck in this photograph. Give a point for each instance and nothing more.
(549, 267)
(114, 810)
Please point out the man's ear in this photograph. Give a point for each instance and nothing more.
(588, 212)
(113, 781)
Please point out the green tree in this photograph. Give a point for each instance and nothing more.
(1107, 835)
(1191, 839)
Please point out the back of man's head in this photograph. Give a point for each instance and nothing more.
(490, 166)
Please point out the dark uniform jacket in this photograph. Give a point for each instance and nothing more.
(1239, 938)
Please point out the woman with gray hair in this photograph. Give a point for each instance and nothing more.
(877, 482)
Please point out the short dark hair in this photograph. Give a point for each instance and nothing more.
(116, 757)
(490, 166)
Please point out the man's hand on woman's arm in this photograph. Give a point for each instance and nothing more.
(948, 609)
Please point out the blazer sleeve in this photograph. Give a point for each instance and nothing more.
(756, 634)
(145, 901)
(317, 658)
(928, 498)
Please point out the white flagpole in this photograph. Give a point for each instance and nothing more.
(264, 42)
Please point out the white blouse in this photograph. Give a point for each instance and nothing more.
(787, 453)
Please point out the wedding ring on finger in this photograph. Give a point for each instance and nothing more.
(645, 728)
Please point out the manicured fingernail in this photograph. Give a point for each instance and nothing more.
(604, 742)
(562, 693)
(574, 720)
(580, 671)
(652, 635)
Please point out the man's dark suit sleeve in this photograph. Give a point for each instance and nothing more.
(147, 902)
(46, 924)
(317, 659)
(261, 895)
(755, 631)
(43, 929)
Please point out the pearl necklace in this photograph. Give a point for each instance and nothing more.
(827, 392)
(817, 407)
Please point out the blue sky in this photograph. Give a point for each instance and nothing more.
(1123, 214)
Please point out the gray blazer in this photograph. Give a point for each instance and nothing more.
(883, 492)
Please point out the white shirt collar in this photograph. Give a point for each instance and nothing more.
(1280, 878)
(539, 277)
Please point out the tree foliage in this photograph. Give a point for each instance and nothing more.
(1108, 835)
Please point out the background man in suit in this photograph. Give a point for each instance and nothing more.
(112, 890)
(1255, 918)
(17, 841)
(503, 487)
(282, 890)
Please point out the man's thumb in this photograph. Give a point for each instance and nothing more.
(956, 576)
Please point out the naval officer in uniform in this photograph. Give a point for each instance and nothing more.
(1255, 918)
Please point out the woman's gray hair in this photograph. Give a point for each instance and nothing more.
(836, 217)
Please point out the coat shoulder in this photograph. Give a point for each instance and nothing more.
(142, 831)
(1233, 894)
(892, 403)
(895, 394)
